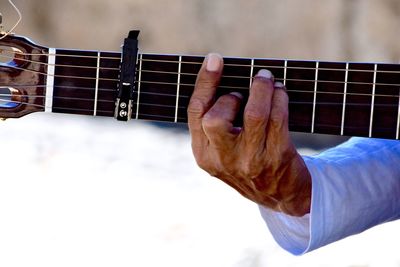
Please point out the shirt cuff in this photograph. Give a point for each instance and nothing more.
(354, 187)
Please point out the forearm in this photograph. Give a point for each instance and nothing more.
(359, 179)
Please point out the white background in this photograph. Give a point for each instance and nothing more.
(77, 191)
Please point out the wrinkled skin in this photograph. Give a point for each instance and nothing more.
(259, 159)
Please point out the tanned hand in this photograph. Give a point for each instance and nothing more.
(259, 159)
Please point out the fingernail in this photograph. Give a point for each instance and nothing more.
(279, 85)
(238, 95)
(214, 62)
(265, 74)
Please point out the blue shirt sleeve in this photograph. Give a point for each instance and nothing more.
(355, 186)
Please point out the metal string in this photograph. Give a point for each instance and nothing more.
(175, 84)
(184, 107)
(182, 95)
(170, 118)
(200, 63)
(166, 83)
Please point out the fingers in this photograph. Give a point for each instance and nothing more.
(278, 120)
(218, 121)
(206, 85)
(258, 108)
(203, 95)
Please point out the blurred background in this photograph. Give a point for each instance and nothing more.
(88, 191)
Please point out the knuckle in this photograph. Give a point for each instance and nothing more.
(279, 116)
(281, 98)
(255, 117)
(207, 81)
(280, 110)
(196, 108)
(229, 99)
(211, 121)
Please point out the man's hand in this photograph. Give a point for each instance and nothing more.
(258, 160)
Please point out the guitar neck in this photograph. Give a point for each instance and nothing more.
(352, 99)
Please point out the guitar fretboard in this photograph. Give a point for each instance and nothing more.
(354, 99)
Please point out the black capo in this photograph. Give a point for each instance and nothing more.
(126, 87)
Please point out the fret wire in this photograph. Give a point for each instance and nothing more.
(285, 72)
(177, 88)
(398, 118)
(50, 81)
(315, 96)
(251, 72)
(373, 100)
(139, 85)
(344, 99)
(97, 84)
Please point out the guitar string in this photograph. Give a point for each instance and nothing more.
(116, 80)
(74, 98)
(227, 64)
(182, 95)
(184, 119)
(77, 88)
(294, 80)
(57, 86)
(289, 67)
(192, 74)
(247, 77)
(230, 64)
(385, 105)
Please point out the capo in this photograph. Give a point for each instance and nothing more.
(126, 87)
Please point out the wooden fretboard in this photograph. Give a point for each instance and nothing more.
(352, 99)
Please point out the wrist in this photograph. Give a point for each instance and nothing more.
(297, 185)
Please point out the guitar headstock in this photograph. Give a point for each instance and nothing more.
(23, 72)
